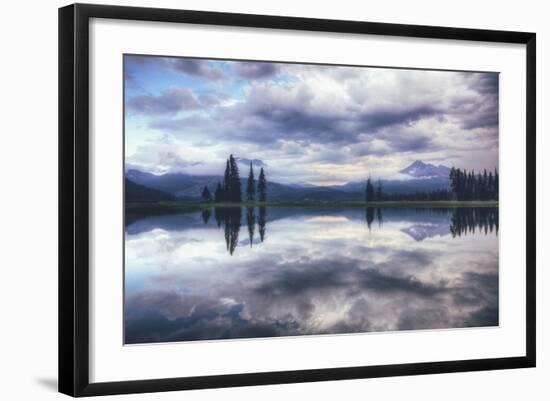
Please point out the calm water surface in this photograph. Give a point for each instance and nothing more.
(263, 272)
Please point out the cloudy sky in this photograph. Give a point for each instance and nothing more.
(305, 123)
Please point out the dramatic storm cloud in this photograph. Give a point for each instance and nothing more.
(308, 123)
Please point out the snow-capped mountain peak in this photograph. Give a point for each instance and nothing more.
(419, 169)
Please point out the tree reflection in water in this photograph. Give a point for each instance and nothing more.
(379, 217)
(369, 214)
(262, 222)
(218, 216)
(250, 222)
(462, 221)
(230, 219)
(206, 213)
(465, 220)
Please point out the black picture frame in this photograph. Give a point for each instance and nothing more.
(74, 200)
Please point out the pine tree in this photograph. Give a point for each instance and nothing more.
(218, 194)
(496, 185)
(490, 186)
(226, 189)
(485, 191)
(466, 185)
(369, 191)
(206, 196)
(251, 186)
(453, 179)
(262, 186)
(458, 184)
(479, 182)
(235, 181)
(379, 193)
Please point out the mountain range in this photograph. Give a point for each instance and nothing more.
(140, 193)
(418, 177)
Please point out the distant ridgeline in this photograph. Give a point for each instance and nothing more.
(418, 182)
(140, 193)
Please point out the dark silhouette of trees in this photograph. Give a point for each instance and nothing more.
(218, 215)
(251, 185)
(495, 184)
(369, 215)
(226, 188)
(262, 222)
(206, 195)
(230, 190)
(235, 181)
(218, 193)
(465, 220)
(369, 191)
(262, 186)
(467, 186)
(379, 194)
(250, 222)
(230, 218)
(435, 195)
(206, 213)
(379, 217)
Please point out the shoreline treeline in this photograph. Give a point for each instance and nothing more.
(471, 186)
(465, 186)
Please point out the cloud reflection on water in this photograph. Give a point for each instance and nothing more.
(316, 272)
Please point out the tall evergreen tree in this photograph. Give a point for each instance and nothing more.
(496, 185)
(226, 189)
(485, 195)
(369, 190)
(218, 193)
(262, 186)
(454, 182)
(206, 196)
(458, 185)
(251, 185)
(235, 181)
(480, 189)
(379, 193)
(491, 186)
(466, 184)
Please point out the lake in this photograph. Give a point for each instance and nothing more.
(228, 273)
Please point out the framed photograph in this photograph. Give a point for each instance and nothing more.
(250, 199)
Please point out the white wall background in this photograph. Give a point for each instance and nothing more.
(28, 204)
